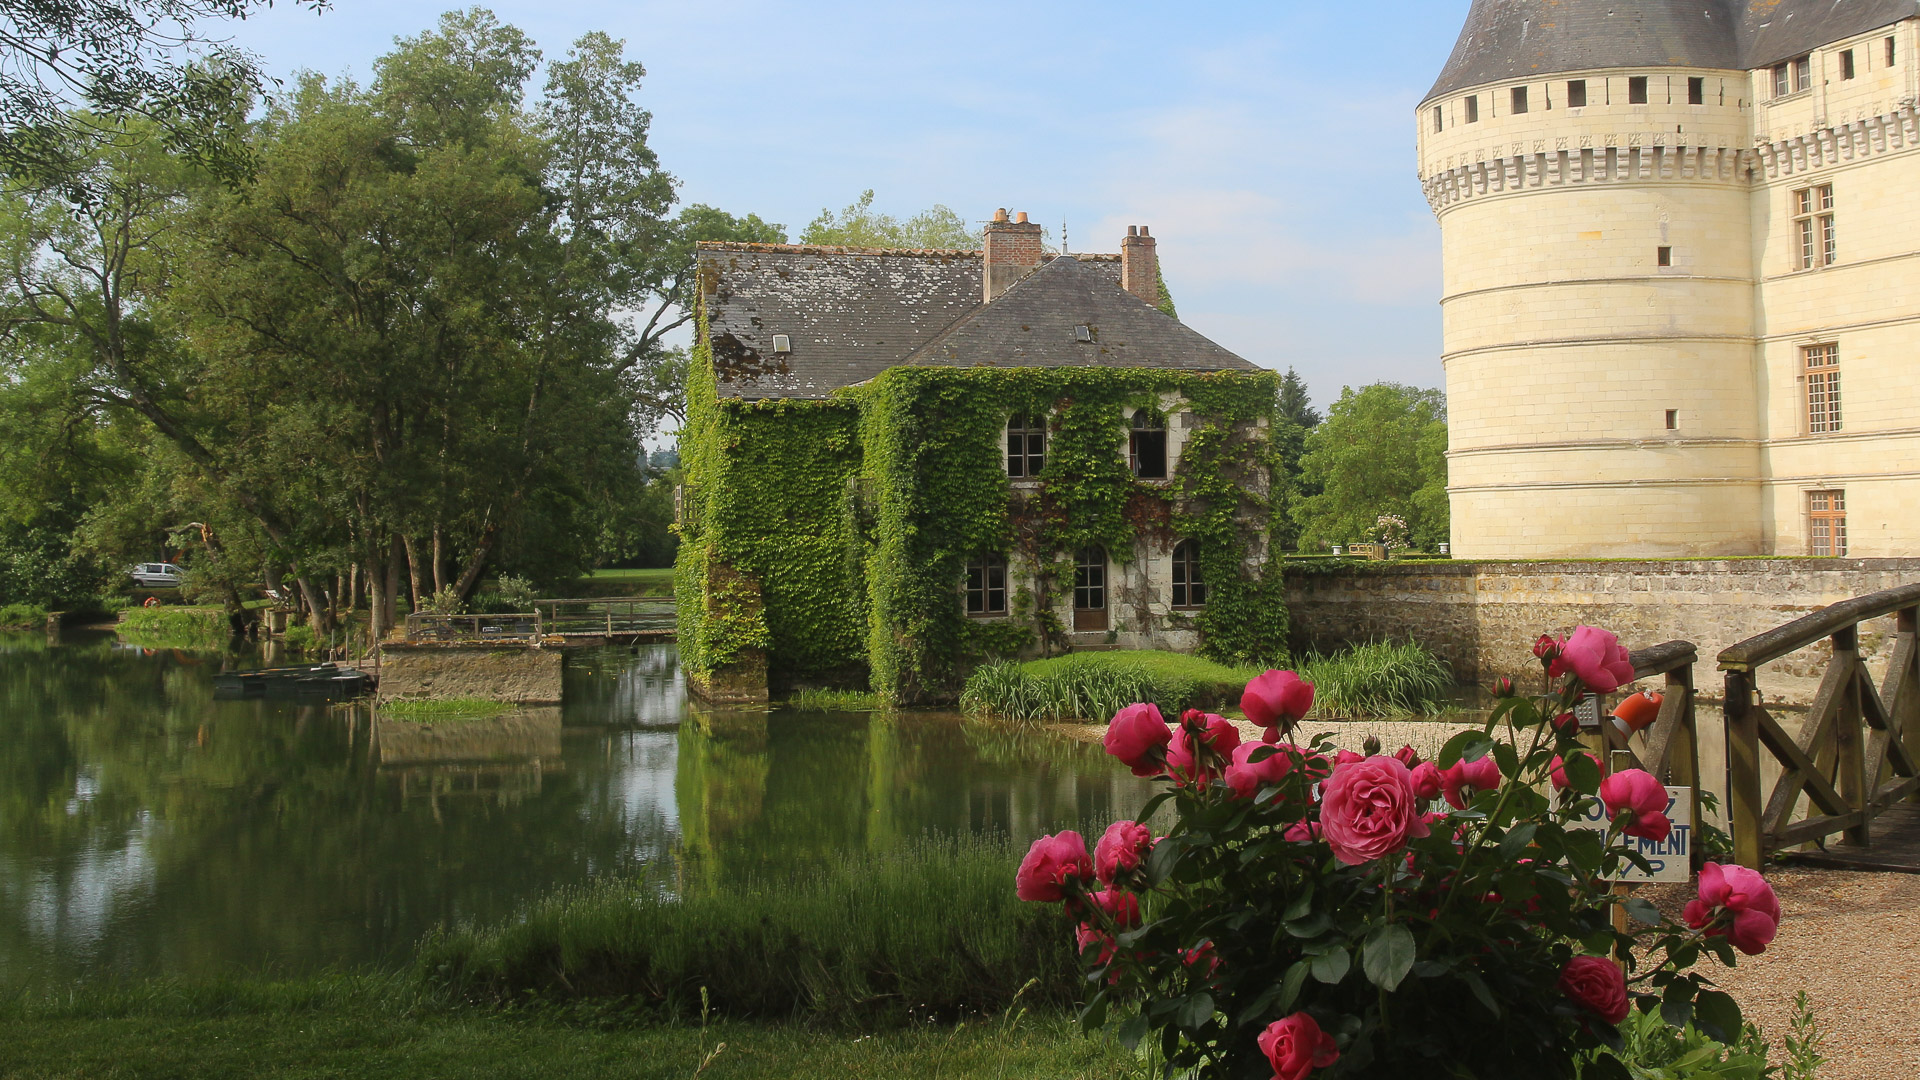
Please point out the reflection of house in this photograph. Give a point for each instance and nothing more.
(901, 462)
(1679, 250)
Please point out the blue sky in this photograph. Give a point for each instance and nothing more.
(1268, 146)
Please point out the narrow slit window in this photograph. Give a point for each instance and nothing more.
(1436, 119)
(1636, 91)
(1673, 419)
(1664, 255)
(1827, 523)
(1519, 99)
(1473, 109)
(987, 586)
(1026, 445)
(1846, 64)
(1189, 590)
(1576, 93)
(1889, 52)
(1696, 91)
(1147, 445)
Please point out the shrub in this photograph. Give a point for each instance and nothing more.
(300, 638)
(926, 930)
(510, 595)
(1086, 685)
(1378, 679)
(22, 617)
(1310, 911)
(1652, 1050)
(169, 627)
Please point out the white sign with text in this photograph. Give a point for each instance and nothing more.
(1671, 859)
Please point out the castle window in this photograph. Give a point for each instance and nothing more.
(1473, 109)
(1664, 256)
(1436, 119)
(1846, 65)
(1827, 523)
(1090, 589)
(1637, 90)
(1189, 591)
(1519, 99)
(1813, 220)
(1820, 365)
(1673, 419)
(1889, 52)
(1576, 93)
(1026, 445)
(1696, 91)
(987, 586)
(1147, 445)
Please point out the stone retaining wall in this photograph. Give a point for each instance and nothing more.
(1482, 617)
(522, 674)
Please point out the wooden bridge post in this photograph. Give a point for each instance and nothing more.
(1850, 767)
(1743, 771)
(1902, 693)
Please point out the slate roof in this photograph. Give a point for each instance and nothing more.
(851, 313)
(1035, 324)
(1511, 39)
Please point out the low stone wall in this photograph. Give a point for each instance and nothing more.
(522, 735)
(1482, 617)
(522, 674)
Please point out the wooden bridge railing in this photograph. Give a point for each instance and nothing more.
(1855, 755)
(1669, 748)
(525, 624)
(619, 615)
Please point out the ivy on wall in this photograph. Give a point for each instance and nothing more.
(834, 534)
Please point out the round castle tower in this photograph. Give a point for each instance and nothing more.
(1588, 162)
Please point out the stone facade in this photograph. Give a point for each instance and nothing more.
(1482, 617)
(1628, 309)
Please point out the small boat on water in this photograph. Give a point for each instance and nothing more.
(330, 682)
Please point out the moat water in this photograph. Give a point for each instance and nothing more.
(148, 829)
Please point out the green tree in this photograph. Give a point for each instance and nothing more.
(1293, 419)
(859, 225)
(1381, 450)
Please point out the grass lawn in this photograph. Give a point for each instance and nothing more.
(1091, 685)
(656, 582)
(376, 1041)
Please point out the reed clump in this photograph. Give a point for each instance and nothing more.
(929, 931)
(1378, 679)
(1095, 685)
(171, 627)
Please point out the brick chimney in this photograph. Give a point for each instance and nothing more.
(1140, 265)
(1010, 251)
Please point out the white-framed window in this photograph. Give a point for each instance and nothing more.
(1026, 445)
(1792, 76)
(1827, 523)
(1820, 368)
(987, 585)
(1189, 588)
(1813, 227)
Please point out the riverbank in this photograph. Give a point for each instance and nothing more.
(366, 1027)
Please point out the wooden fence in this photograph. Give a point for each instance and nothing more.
(635, 616)
(1855, 754)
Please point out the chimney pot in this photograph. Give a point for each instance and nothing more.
(1010, 250)
(1000, 214)
(1021, 217)
(1133, 230)
(1143, 231)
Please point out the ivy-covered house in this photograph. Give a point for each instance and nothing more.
(903, 463)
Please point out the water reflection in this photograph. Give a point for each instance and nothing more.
(146, 828)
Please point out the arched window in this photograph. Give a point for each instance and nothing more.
(1026, 444)
(1189, 589)
(1147, 445)
(1090, 588)
(987, 586)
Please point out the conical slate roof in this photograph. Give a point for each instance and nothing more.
(1515, 39)
(1038, 322)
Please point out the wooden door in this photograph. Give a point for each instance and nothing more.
(1090, 589)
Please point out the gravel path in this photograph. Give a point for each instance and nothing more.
(1850, 940)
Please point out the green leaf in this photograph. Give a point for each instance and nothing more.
(1290, 984)
(1605, 1067)
(1718, 1015)
(1451, 753)
(1153, 804)
(1643, 911)
(1516, 841)
(1313, 925)
(1582, 774)
(1300, 905)
(1508, 760)
(1095, 1014)
(1165, 854)
(1331, 967)
(1480, 991)
(1195, 1011)
(1133, 1031)
(1388, 956)
(1253, 1013)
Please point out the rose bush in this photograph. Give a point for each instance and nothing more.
(1325, 914)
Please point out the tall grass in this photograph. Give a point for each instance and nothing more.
(815, 700)
(1095, 685)
(22, 617)
(1382, 678)
(931, 930)
(168, 627)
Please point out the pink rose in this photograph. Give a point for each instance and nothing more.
(1276, 700)
(1638, 791)
(1051, 863)
(1120, 849)
(1464, 778)
(1547, 647)
(1086, 937)
(1296, 1046)
(1596, 658)
(1406, 756)
(1427, 782)
(1369, 810)
(1736, 903)
(1556, 771)
(1503, 687)
(1341, 757)
(1246, 777)
(1597, 985)
(1216, 734)
(1302, 832)
(1138, 736)
(1122, 907)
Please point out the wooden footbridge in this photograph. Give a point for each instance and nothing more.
(1844, 789)
(578, 623)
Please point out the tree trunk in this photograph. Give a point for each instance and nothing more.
(413, 571)
(396, 562)
(439, 559)
(353, 588)
(477, 561)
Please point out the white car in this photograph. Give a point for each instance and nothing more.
(156, 575)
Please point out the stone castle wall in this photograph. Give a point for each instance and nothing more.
(1482, 617)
